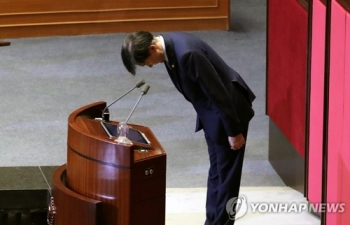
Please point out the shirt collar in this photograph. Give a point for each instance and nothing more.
(164, 49)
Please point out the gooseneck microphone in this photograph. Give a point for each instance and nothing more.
(105, 112)
(143, 92)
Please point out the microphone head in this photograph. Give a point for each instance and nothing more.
(105, 115)
(145, 89)
(140, 83)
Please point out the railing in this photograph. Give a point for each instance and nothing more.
(345, 4)
(305, 3)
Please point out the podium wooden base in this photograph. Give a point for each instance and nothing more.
(105, 183)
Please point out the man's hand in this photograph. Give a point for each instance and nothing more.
(236, 142)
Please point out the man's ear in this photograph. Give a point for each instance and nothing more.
(152, 47)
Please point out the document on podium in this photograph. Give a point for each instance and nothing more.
(134, 135)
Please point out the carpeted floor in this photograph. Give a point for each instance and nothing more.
(44, 79)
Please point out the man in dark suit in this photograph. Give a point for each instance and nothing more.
(221, 98)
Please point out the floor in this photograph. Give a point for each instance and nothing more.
(186, 207)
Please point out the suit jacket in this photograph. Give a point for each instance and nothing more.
(221, 98)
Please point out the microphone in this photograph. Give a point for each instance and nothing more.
(143, 92)
(105, 112)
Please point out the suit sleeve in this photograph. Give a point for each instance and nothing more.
(200, 70)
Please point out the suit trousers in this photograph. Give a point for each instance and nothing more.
(224, 179)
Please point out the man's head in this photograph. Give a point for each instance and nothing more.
(141, 48)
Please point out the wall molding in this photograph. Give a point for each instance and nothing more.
(109, 10)
(166, 15)
(111, 21)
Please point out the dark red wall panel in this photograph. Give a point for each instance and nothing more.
(287, 69)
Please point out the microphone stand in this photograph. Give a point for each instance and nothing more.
(105, 112)
(144, 91)
(123, 127)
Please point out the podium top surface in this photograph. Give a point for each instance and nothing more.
(87, 137)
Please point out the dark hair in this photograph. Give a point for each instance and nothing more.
(135, 49)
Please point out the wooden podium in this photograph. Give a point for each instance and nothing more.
(106, 183)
